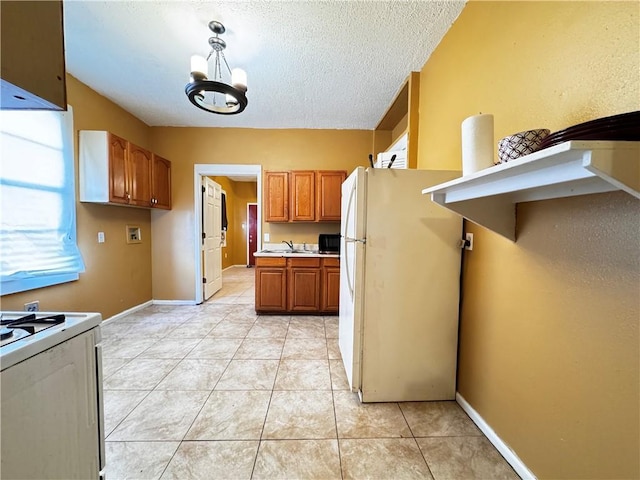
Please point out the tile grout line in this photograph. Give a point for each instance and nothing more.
(335, 415)
(415, 441)
(266, 414)
(148, 391)
(160, 381)
(181, 441)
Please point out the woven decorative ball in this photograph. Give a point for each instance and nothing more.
(520, 144)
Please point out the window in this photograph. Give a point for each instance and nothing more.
(37, 201)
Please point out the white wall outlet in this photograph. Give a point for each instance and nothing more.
(32, 306)
(468, 245)
(133, 234)
(100, 237)
(267, 237)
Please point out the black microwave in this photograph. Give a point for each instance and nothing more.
(329, 243)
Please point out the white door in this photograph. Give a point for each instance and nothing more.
(351, 275)
(212, 248)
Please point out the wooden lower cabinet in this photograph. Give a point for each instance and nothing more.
(301, 285)
(271, 285)
(330, 298)
(304, 284)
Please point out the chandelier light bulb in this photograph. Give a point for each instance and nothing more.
(230, 100)
(239, 79)
(198, 67)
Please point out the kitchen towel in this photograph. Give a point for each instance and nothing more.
(477, 143)
(223, 208)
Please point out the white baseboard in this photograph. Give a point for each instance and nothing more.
(174, 302)
(508, 454)
(129, 311)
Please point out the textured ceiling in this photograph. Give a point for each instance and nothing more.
(310, 64)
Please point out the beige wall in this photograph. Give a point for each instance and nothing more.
(173, 232)
(549, 347)
(238, 194)
(118, 275)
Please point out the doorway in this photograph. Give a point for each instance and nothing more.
(252, 233)
(223, 170)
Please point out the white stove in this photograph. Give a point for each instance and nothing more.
(51, 395)
(23, 335)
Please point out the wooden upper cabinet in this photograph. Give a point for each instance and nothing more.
(276, 196)
(118, 170)
(140, 167)
(32, 53)
(161, 183)
(114, 170)
(329, 194)
(302, 195)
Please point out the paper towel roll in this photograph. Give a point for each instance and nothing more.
(477, 143)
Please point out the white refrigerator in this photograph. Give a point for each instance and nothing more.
(399, 286)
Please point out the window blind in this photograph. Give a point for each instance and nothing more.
(37, 201)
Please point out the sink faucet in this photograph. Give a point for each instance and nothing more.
(289, 244)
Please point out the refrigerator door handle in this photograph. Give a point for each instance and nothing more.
(347, 270)
(349, 239)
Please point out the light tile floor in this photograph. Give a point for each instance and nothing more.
(215, 391)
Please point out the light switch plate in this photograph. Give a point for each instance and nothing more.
(100, 237)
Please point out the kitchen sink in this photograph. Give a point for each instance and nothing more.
(289, 251)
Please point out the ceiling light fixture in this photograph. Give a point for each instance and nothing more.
(215, 95)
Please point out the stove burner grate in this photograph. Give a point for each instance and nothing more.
(31, 319)
(28, 325)
(5, 333)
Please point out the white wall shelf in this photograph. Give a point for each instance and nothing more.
(577, 167)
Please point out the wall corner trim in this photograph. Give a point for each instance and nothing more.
(127, 312)
(508, 454)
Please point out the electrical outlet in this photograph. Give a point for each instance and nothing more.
(468, 244)
(32, 306)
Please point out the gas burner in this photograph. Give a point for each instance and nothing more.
(10, 335)
(14, 329)
(5, 333)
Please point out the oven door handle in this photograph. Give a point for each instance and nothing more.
(101, 432)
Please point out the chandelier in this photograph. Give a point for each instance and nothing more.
(215, 95)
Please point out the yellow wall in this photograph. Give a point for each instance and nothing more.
(549, 347)
(238, 195)
(173, 232)
(118, 275)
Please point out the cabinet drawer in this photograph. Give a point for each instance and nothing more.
(331, 262)
(312, 262)
(271, 262)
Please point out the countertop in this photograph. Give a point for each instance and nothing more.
(297, 254)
